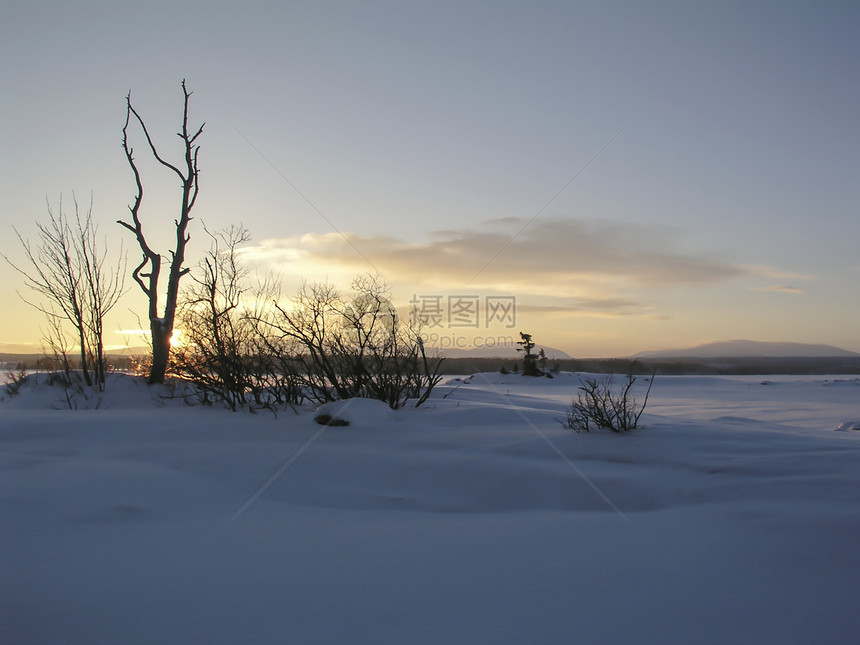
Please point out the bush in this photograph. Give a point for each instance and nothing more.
(324, 346)
(600, 405)
(15, 379)
(356, 346)
(242, 347)
(218, 350)
(223, 352)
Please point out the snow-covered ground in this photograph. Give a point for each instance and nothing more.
(731, 516)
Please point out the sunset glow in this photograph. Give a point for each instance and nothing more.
(635, 176)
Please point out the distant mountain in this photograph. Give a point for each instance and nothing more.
(20, 348)
(750, 348)
(501, 351)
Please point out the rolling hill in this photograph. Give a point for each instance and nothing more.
(750, 349)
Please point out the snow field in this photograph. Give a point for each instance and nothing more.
(731, 516)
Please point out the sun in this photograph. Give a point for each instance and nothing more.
(176, 339)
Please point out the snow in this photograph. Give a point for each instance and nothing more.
(730, 516)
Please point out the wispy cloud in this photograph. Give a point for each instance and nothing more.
(777, 274)
(780, 288)
(602, 307)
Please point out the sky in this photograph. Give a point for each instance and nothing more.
(627, 175)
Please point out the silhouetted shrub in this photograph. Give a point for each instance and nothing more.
(600, 405)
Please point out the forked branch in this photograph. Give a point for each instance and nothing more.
(147, 273)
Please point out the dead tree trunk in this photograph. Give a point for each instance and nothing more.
(148, 273)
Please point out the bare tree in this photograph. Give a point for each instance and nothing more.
(56, 350)
(102, 288)
(218, 341)
(148, 273)
(69, 268)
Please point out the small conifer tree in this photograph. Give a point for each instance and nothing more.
(529, 360)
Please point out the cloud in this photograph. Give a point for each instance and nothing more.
(555, 257)
(604, 307)
(780, 288)
(776, 274)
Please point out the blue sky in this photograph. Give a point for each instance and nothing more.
(430, 135)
